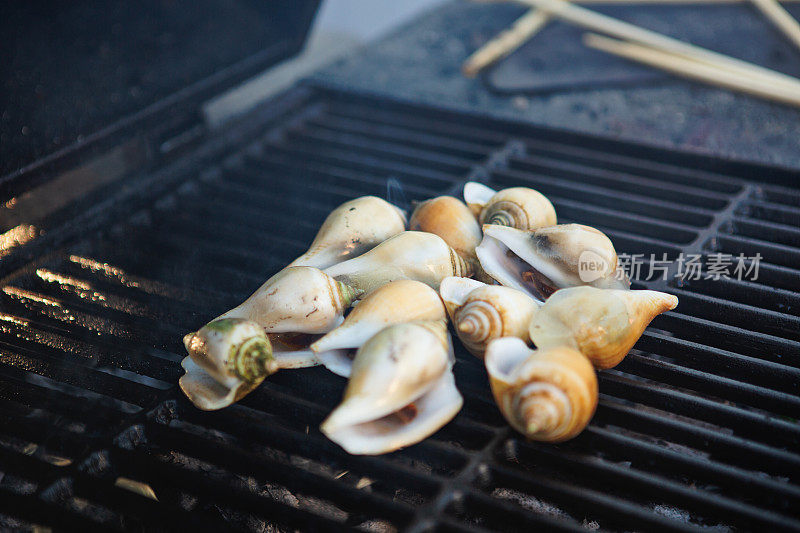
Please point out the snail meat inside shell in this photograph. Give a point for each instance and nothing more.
(401, 390)
(551, 258)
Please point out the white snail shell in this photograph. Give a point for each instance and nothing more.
(603, 324)
(517, 207)
(401, 390)
(352, 229)
(297, 300)
(555, 257)
(394, 303)
(227, 358)
(481, 313)
(547, 395)
(413, 255)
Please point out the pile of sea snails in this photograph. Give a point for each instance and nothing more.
(371, 299)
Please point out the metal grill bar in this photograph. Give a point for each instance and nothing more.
(609, 198)
(681, 194)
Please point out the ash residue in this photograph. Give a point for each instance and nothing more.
(536, 505)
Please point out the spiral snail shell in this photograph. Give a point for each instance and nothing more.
(547, 395)
(481, 313)
(555, 257)
(227, 359)
(352, 229)
(413, 255)
(517, 207)
(297, 300)
(602, 324)
(476, 196)
(233, 352)
(394, 303)
(450, 219)
(401, 390)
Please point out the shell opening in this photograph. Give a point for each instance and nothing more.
(504, 355)
(515, 271)
(408, 425)
(477, 194)
(455, 289)
(206, 393)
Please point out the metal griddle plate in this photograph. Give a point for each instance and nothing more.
(697, 427)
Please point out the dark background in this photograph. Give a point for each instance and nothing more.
(72, 68)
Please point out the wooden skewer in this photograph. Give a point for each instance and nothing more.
(534, 20)
(781, 18)
(649, 2)
(505, 42)
(645, 2)
(603, 24)
(689, 68)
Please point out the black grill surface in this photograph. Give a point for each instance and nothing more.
(696, 430)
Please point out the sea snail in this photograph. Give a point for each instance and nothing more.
(481, 313)
(547, 395)
(229, 358)
(555, 257)
(394, 303)
(352, 229)
(517, 207)
(296, 300)
(401, 390)
(602, 324)
(413, 255)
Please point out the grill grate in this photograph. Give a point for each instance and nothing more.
(695, 429)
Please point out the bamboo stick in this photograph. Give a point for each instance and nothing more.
(622, 30)
(505, 42)
(781, 18)
(649, 2)
(669, 2)
(682, 66)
